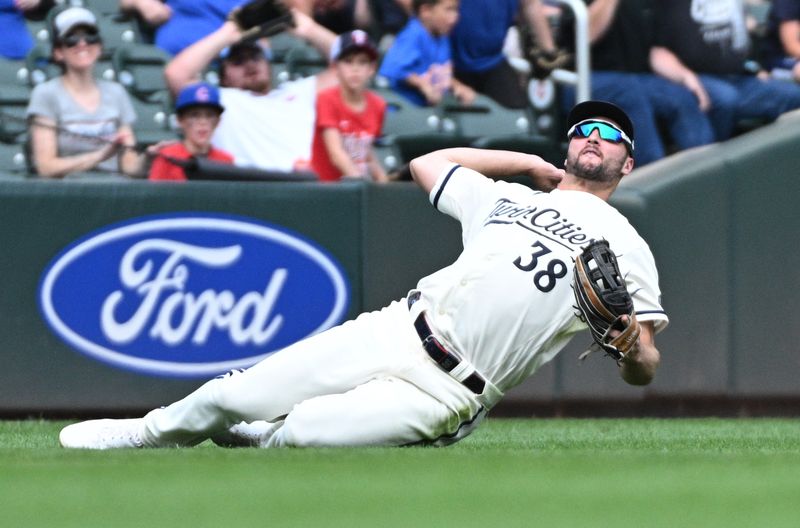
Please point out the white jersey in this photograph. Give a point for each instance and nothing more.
(272, 131)
(506, 304)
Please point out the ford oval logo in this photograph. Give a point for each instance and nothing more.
(191, 295)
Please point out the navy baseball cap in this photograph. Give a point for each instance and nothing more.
(599, 110)
(198, 94)
(245, 47)
(352, 41)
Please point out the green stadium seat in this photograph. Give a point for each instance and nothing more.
(140, 69)
(486, 118)
(304, 61)
(415, 130)
(13, 162)
(282, 43)
(103, 7)
(152, 122)
(117, 31)
(13, 105)
(40, 67)
(541, 146)
(13, 72)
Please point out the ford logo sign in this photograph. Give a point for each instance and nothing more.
(190, 295)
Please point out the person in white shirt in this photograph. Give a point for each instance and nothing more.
(427, 368)
(263, 126)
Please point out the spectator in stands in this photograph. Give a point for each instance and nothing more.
(419, 64)
(620, 36)
(708, 51)
(153, 13)
(198, 110)
(389, 17)
(15, 39)
(781, 45)
(478, 39)
(349, 117)
(339, 16)
(79, 123)
(262, 127)
(181, 22)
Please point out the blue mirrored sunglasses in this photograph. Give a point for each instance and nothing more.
(607, 131)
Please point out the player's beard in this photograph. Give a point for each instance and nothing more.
(608, 171)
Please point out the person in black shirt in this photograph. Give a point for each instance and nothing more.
(704, 45)
(621, 39)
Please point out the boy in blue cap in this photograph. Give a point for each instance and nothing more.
(198, 110)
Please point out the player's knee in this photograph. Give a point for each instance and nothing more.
(302, 428)
(224, 394)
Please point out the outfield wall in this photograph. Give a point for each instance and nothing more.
(721, 222)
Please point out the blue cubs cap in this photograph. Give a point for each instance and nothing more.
(198, 94)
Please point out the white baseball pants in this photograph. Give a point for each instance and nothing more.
(367, 382)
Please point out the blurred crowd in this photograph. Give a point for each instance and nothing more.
(141, 87)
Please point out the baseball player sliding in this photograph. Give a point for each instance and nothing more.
(427, 368)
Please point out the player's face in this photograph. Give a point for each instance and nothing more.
(248, 70)
(198, 125)
(355, 70)
(442, 16)
(596, 159)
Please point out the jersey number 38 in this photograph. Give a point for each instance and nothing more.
(544, 279)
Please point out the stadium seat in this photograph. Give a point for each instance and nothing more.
(12, 161)
(117, 31)
(487, 118)
(13, 104)
(103, 7)
(152, 122)
(140, 69)
(415, 130)
(13, 72)
(38, 30)
(541, 146)
(404, 117)
(282, 43)
(304, 61)
(40, 67)
(388, 155)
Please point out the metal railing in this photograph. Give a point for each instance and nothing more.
(580, 78)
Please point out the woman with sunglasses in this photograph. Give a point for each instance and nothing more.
(79, 123)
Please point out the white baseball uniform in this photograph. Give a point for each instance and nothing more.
(499, 312)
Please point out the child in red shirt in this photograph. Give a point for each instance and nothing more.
(349, 117)
(198, 110)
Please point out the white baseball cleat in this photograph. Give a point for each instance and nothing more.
(102, 434)
(243, 434)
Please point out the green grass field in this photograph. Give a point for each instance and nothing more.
(540, 472)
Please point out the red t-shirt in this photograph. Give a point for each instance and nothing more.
(358, 130)
(163, 169)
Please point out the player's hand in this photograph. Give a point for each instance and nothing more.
(545, 176)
